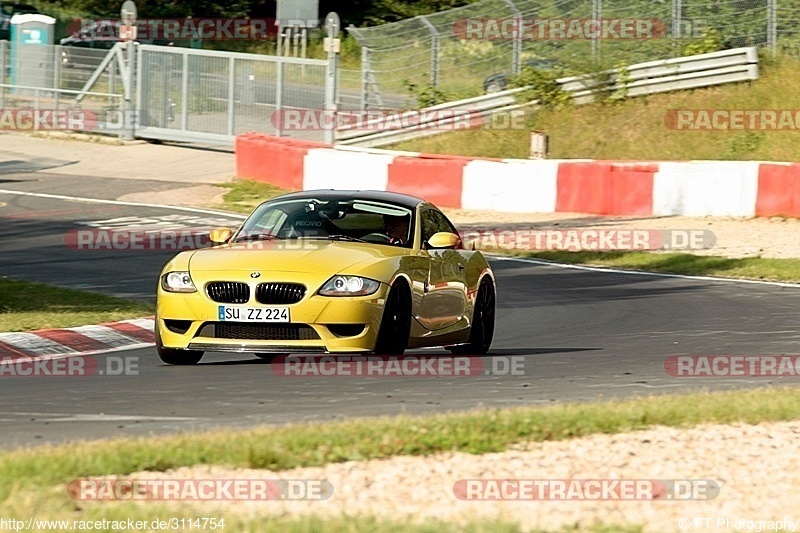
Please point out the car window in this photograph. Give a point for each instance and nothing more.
(305, 218)
(434, 221)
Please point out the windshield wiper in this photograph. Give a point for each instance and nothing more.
(256, 237)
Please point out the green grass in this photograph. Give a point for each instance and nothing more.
(314, 444)
(759, 268)
(245, 195)
(27, 306)
(639, 126)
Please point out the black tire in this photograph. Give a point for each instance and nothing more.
(396, 321)
(173, 356)
(481, 331)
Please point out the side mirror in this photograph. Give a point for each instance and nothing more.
(220, 235)
(444, 239)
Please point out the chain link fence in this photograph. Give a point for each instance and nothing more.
(52, 87)
(476, 48)
(181, 94)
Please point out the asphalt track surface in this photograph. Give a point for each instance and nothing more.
(579, 334)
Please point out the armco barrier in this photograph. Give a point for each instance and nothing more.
(690, 188)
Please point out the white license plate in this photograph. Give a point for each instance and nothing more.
(230, 313)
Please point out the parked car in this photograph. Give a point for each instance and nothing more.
(499, 82)
(78, 50)
(9, 10)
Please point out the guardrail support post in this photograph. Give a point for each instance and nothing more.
(128, 108)
(278, 97)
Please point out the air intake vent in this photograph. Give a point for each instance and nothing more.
(280, 293)
(228, 292)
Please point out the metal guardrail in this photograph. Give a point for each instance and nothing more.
(652, 77)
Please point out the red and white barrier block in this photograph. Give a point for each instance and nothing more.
(690, 188)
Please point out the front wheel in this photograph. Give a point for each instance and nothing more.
(396, 322)
(481, 330)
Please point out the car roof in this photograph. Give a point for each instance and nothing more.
(405, 200)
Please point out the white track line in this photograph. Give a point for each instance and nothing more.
(117, 202)
(644, 273)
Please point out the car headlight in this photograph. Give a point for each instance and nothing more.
(349, 286)
(177, 282)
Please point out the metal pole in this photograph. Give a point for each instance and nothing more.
(56, 73)
(434, 50)
(516, 48)
(597, 13)
(772, 23)
(676, 18)
(364, 79)
(128, 92)
(231, 93)
(278, 97)
(185, 92)
(3, 73)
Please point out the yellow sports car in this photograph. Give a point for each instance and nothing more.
(328, 271)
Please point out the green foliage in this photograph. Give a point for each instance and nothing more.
(428, 95)
(542, 86)
(711, 41)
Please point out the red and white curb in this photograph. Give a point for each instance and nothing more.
(78, 341)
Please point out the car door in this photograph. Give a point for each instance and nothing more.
(444, 298)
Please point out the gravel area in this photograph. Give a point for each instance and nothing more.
(735, 237)
(757, 469)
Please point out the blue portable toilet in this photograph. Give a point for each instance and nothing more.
(32, 52)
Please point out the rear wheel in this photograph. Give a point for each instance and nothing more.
(173, 356)
(481, 331)
(396, 321)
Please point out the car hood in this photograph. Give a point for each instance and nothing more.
(290, 256)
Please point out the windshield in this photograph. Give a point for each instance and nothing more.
(351, 219)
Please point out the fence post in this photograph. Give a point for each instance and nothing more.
(364, 77)
(772, 29)
(185, 91)
(434, 50)
(278, 97)
(597, 14)
(128, 105)
(231, 93)
(3, 90)
(677, 12)
(516, 44)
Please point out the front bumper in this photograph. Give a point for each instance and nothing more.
(318, 324)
